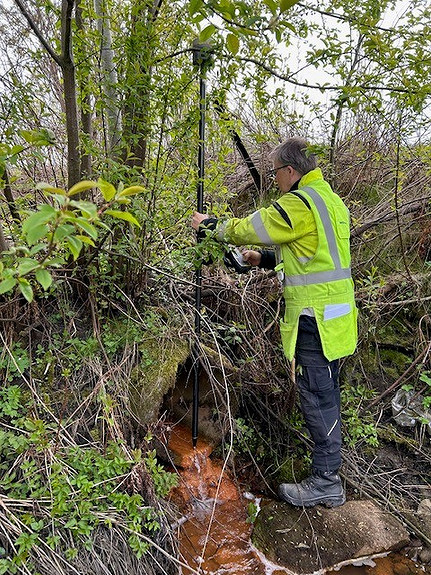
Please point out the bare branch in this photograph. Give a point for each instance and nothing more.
(390, 215)
(37, 32)
(325, 87)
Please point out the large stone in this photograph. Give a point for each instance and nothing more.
(155, 375)
(308, 541)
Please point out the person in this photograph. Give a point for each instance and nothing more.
(309, 228)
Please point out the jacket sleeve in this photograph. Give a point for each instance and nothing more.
(267, 261)
(274, 225)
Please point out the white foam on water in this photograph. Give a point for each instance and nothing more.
(270, 567)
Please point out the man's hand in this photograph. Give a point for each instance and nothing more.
(252, 257)
(197, 219)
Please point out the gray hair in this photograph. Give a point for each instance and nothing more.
(293, 152)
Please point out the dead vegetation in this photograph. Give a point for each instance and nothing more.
(80, 355)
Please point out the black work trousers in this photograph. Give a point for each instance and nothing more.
(319, 392)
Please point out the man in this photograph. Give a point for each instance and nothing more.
(310, 229)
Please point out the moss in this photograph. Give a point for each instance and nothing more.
(293, 471)
(219, 360)
(394, 362)
(397, 332)
(391, 434)
(156, 374)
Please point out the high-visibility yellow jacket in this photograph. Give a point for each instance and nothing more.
(310, 229)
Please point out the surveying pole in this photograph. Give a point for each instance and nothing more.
(202, 57)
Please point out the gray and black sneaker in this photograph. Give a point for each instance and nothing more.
(318, 489)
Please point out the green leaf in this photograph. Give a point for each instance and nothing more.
(207, 32)
(27, 265)
(55, 262)
(86, 240)
(75, 245)
(123, 216)
(81, 187)
(37, 248)
(272, 5)
(290, 26)
(88, 209)
(7, 284)
(44, 278)
(36, 233)
(131, 191)
(195, 6)
(26, 289)
(286, 4)
(62, 232)
(232, 42)
(87, 227)
(425, 378)
(107, 189)
(28, 135)
(41, 137)
(16, 149)
(50, 189)
(248, 32)
(44, 215)
(45, 136)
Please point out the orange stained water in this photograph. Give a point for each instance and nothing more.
(215, 537)
(214, 533)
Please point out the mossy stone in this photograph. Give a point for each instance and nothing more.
(155, 374)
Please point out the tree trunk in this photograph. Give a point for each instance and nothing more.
(65, 61)
(110, 79)
(3, 242)
(86, 112)
(136, 121)
(10, 199)
(68, 71)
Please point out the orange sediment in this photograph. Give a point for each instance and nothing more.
(215, 538)
(214, 533)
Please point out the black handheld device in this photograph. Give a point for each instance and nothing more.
(234, 259)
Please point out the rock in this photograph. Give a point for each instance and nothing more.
(307, 541)
(155, 375)
(422, 521)
(425, 555)
(214, 411)
(424, 509)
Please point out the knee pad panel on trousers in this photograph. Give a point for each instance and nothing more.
(317, 387)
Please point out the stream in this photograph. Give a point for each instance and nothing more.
(214, 531)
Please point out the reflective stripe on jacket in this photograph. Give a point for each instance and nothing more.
(315, 274)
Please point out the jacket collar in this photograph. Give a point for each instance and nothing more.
(309, 177)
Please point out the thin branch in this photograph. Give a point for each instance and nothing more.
(396, 192)
(387, 217)
(422, 357)
(324, 87)
(343, 18)
(38, 33)
(341, 102)
(9, 198)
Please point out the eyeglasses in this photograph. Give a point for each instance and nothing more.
(274, 171)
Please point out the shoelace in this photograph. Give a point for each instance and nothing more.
(308, 482)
